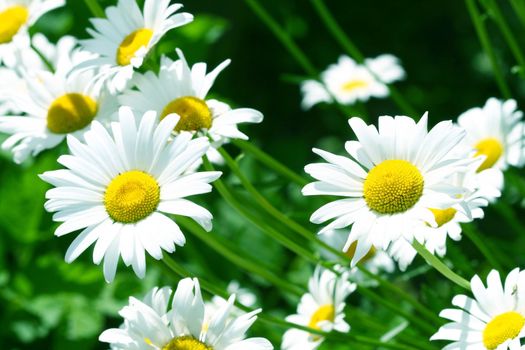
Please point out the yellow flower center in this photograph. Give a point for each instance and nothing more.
(11, 20)
(393, 186)
(354, 84)
(492, 149)
(351, 252)
(194, 113)
(443, 216)
(186, 343)
(131, 196)
(502, 328)
(71, 112)
(324, 313)
(131, 44)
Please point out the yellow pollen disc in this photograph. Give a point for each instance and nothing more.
(492, 149)
(131, 44)
(194, 113)
(186, 343)
(443, 216)
(502, 328)
(354, 84)
(11, 20)
(393, 186)
(71, 112)
(324, 313)
(131, 196)
(351, 252)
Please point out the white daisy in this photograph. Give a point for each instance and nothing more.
(348, 82)
(16, 16)
(496, 132)
(244, 296)
(393, 176)
(150, 325)
(322, 308)
(118, 186)
(493, 320)
(182, 90)
(125, 37)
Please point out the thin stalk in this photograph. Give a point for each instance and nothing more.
(44, 59)
(487, 47)
(440, 266)
(519, 8)
(471, 232)
(95, 8)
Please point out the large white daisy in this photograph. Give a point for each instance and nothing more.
(183, 90)
(348, 82)
(127, 34)
(118, 186)
(152, 324)
(393, 176)
(16, 16)
(493, 320)
(322, 308)
(496, 132)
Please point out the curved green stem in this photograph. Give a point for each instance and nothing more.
(95, 8)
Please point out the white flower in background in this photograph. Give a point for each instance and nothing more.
(119, 187)
(322, 308)
(10, 85)
(393, 176)
(493, 320)
(125, 37)
(16, 16)
(245, 296)
(348, 82)
(496, 132)
(182, 90)
(149, 324)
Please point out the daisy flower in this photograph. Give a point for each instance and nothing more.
(119, 188)
(16, 16)
(149, 324)
(393, 176)
(348, 82)
(322, 308)
(493, 320)
(182, 90)
(123, 39)
(496, 132)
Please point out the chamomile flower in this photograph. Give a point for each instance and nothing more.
(123, 39)
(493, 320)
(150, 324)
(322, 308)
(496, 132)
(119, 187)
(16, 16)
(393, 177)
(348, 82)
(182, 90)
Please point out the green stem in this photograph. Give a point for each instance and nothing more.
(44, 59)
(95, 8)
(487, 47)
(470, 231)
(519, 8)
(440, 266)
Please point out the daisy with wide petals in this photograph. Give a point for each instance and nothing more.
(16, 16)
(496, 132)
(182, 89)
(120, 187)
(393, 176)
(123, 39)
(493, 320)
(348, 82)
(150, 324)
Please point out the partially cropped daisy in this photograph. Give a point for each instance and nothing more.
(127, 34)
(182, 89)
(348, 81)
(496, 132)
(322, 308)
(393, 177)
(16, 16)
(119, 189)
(493, 320)
(154, 324)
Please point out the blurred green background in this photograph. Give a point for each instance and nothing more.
(48, 304)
